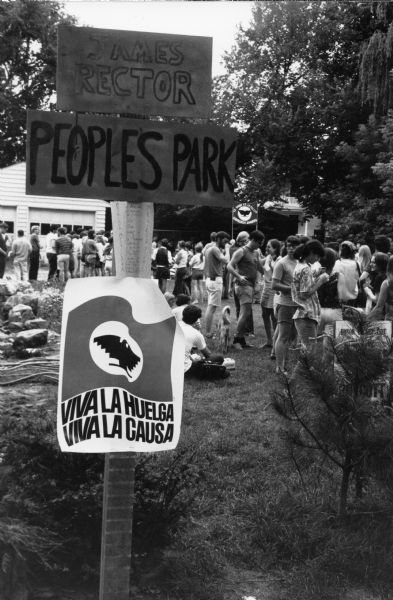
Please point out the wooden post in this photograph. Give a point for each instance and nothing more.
(132, 233)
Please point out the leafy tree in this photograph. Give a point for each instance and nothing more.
(375, 73)
(290, 88)
(363, 199)
(28, 47)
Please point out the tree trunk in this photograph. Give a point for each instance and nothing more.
(345, 485)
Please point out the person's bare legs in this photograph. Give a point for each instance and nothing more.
(284, 337)
(209, 316)
(267, 321)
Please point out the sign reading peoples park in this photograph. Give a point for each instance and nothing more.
(104, 70)
(85, 156)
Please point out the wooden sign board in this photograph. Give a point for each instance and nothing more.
(111, 71)
(129, 159)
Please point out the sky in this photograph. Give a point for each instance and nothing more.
(219, 20)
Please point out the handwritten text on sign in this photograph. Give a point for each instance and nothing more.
(129, 159)
(105, 70)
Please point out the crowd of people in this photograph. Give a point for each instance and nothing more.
(83, 253)
(300, 285)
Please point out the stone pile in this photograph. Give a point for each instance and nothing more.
(22, 332)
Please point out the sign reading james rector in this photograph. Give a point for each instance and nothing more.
(106, 70)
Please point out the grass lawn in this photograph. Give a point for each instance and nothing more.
(231, 514)
(257, 524)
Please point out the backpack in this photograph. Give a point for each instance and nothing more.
(208, 370)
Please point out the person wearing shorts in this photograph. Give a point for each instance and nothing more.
(197, 265)
(304, 291)
(163, 259)
(90, 253)
(244, 267)
(215, 260)
(286, 307)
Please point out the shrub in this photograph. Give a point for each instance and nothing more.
(50, 304)
(328, 409)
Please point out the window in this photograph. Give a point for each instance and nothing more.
(10, 226)
(45, 227)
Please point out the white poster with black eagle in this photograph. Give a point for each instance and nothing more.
(245, 214)
(121, 368)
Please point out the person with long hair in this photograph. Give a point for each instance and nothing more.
(364, 258)
(328, 292)
(197, 265)
(348, 274)
(163, 259)
(365, 296)
(383, 309)
(34, 258)
(304, 291)
(273, 248)
(286, 307)
(181, 260)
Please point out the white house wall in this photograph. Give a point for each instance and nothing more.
(23, 210)
(308, 227)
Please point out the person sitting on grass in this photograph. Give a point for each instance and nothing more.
(207, 366)
(182, 300)
(171, 299)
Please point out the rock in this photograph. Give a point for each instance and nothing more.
(31, 338)
(20, 313)
(36, 324)
(8, 287)
(31, 300)
(15, 327)
(25, 287)
(10, 303)
(28, 353)
(6, 349)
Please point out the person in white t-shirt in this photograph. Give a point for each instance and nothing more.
(348, 274)
(182, 300)
(207, 366)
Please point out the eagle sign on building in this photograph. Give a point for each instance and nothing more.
(245, 214)
(121, 373)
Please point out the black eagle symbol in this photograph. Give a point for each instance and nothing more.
(119, 350)
(244, 211)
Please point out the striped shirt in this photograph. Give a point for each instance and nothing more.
(63, 245)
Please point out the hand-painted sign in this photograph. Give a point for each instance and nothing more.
(121, 368)
(245, 214)
(128, 159)
(105, 70)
